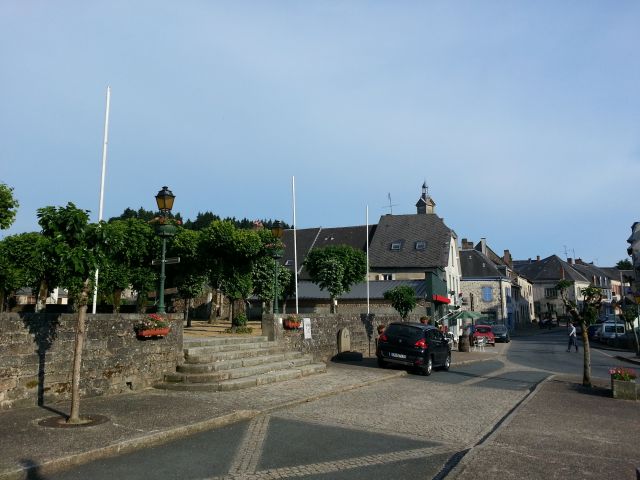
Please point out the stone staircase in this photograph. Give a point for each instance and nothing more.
(232, 363)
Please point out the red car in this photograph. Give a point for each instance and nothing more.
(484, 331)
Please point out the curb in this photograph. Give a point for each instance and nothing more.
(471, 453)
(628, 359)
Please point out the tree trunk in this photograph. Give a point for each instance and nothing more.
(2, 299)
(41, 302)
(74, 417)
(187, 304)
(586, 367)
(117, 300)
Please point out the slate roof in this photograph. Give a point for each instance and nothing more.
(409, 229)
(589, 271)
(548, 269)
(475, 264)
(308, 290)
(319, 237)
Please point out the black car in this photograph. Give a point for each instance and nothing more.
(501, 333)
(414, 345)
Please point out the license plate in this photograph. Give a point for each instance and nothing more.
(397, 355)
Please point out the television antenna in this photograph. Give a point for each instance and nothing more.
(391, 205)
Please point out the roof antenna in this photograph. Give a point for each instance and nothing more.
(391, 205)
(566, 254)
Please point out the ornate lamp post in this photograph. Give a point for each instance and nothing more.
(277, 231)
(164, 199)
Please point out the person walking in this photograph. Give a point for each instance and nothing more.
(573, 340)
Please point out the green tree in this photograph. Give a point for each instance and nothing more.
(8, 206)
(336, 269)
(130, 245)
(75, 251)
(229, 254)
(584, 314)
(190, 275)
(402, 299)
(624, 264)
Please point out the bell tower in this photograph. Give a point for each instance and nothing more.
(425, 203)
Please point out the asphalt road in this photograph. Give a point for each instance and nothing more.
(409, 427)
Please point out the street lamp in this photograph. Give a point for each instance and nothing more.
(276, 231)
(164, 199)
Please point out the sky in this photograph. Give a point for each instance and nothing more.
(523, 117)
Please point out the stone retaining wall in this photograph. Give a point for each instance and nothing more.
(36, 357)
(323, 344)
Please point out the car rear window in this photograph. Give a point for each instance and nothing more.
(483, 329)
(499, 329)
(405, 331)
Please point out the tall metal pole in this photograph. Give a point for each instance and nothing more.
(295, 246)
(367, 245)
(104, 171)
(162, 276)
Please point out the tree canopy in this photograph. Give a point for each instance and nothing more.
(624, 264)
(8, 206)
(402, 299)
(336, 269)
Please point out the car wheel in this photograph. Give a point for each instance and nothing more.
(382, 363)
(428, 368)
(447, 363)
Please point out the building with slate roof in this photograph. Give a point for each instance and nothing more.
(545, 274)
(401, 247)
(491, 287)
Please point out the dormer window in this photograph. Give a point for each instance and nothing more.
(396, 246)
(288, 263)
(420, 245)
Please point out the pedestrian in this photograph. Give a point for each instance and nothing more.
(573, 340)
(424, 320)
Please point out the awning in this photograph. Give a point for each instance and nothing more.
(440, 299)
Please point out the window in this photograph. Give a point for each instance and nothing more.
(487, 294)
(420, 245)
(396, 246)
(288, 263)
(551, 293)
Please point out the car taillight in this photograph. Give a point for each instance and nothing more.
(383, 338)
(421, 343)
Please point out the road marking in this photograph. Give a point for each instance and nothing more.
(338, 465)
(250, 450)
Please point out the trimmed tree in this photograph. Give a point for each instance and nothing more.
(629, 315)
(402, 299)
(190, 275)
(336, 269)
(8, 206)
(584, 314)
(75, 251)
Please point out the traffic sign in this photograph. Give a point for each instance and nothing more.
(167, 261)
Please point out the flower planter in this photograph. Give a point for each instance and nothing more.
(166, 230)
(290, 324)
(153, 332)
(623, 389)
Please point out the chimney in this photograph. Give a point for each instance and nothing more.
(507, 258)
(537, 258)
(466, 244)
(483, 245)
(570, 261)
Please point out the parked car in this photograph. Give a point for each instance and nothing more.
(414, 345)
(501, 333)
(592, 329)
(484, 331)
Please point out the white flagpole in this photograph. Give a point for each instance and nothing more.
(367, 244)
(295, 247)
(104, 171)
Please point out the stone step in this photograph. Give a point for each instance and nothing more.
(240, 361)
(214, 341)
(236, 373)
(247, 382)
(212, 357)
(226, 347)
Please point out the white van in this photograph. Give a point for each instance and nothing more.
(609, 330)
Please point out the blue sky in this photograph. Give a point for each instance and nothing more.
(522, 117)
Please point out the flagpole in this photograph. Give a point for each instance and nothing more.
(295, 247)
(367, 244)
(104, 171)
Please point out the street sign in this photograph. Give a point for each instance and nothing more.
(167, 261)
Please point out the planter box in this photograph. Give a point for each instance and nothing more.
(153, 332)
(624, 390)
